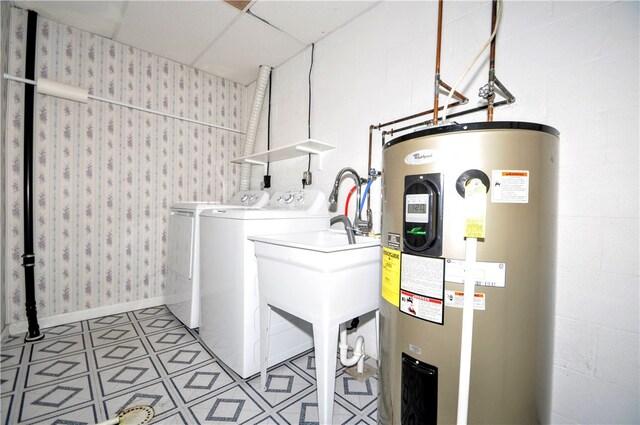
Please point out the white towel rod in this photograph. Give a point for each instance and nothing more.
(138, 108)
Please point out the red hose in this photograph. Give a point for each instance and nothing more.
(346, 205)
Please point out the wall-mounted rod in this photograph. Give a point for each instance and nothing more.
(66, 91)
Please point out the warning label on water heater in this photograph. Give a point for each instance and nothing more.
(510, 186)
(422, 287)
(425, 308)
(456, 299)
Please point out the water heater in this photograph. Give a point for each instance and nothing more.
(424, 219)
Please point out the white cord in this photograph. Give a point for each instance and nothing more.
(475, 59)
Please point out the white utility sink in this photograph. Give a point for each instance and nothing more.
(321, 278)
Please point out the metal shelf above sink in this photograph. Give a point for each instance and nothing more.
(305, 147)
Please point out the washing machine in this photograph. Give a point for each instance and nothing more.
(230, 325)
(183, 271)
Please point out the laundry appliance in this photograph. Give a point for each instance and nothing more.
(431, 222)
(183, 271)
(230, 323)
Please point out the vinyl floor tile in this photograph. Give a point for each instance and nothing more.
(53, 370)
(86, 372)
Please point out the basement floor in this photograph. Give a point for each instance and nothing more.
(86, 372)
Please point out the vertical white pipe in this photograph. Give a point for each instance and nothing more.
(252, 126)
(358, 352)
(471, 245)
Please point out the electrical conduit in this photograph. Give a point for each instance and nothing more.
(252, 126)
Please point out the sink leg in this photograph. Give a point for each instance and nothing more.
(325, 340)
(265, 313)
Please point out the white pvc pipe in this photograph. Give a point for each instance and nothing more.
(471, 245)
(358, 351)
(252, 126)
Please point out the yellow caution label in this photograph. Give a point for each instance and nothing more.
(391, 275)
(475, 202)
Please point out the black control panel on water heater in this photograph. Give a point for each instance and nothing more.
(422, 216)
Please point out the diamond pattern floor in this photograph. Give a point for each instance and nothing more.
(86, 372)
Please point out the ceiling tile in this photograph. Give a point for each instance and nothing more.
(309, 21)
(179, 30)
(98, 17)
(246, 45)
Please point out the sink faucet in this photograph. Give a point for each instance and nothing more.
(360, 226)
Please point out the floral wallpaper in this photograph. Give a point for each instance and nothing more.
(4, 53)
(106, 175)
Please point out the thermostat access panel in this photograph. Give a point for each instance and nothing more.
(422, 233)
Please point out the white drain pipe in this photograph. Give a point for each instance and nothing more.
(358, 352)
(252, 126)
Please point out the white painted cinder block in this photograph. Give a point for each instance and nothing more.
(580, 241)
(616, 348)
(620, 245)
(575, 345)
(588, 400)
(572, 65)
(604, 299)
(559, 420)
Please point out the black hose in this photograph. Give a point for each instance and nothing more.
(29, 261)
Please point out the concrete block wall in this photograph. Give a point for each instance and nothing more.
(572, 65)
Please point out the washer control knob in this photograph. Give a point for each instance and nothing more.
(288, 198)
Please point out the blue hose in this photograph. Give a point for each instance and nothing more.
(366, 192)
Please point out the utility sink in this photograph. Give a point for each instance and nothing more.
(321, 278)
(319, 274)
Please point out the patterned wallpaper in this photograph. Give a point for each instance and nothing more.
(106, 175)
(4, 53)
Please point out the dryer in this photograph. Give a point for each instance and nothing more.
(183, 258)
(230, 325)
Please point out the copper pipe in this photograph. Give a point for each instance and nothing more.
(456, 93)
(492, 60)
(395, 130)
(457, 114)
(408, 117)
(436, 87)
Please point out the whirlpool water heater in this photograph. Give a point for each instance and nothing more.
(425, 217)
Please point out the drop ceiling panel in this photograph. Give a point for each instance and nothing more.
(309, 21)
(179, 30)
(246, 45)
(211, 35)
(98, 17)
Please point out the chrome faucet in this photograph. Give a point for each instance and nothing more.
(360, 226)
